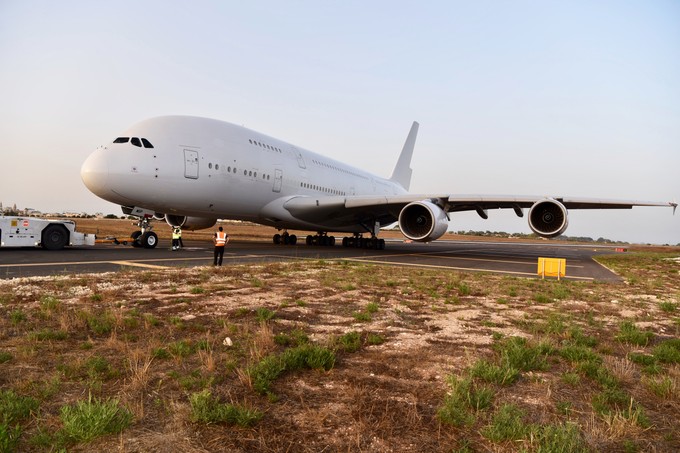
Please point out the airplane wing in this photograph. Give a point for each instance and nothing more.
(339, 211)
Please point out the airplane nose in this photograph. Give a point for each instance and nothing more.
(95, 172)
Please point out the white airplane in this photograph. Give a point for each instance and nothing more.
(192, 171)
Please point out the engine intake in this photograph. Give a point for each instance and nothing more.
(423, 221)
(189, 223)
(548, 218)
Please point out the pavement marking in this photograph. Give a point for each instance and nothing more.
(135, 264)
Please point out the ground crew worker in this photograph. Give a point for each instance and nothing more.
(220, 240)
(176, 237)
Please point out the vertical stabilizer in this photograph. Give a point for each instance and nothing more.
(402, 171)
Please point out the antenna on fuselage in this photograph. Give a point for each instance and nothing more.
(402, 171)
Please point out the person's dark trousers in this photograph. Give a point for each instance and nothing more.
(219, 253)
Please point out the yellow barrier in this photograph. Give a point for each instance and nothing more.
(552, 267)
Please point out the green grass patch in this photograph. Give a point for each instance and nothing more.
(517, 352)
(668, 351)
(504, 374)
(463, 401)
(374, 339)
(668, 307)
(263, 314)
(271, 367)
(48, 335)
(5, 356)
(17, 316)
(361, 316)
(350, 342)
(631, 334)
(87, 420)
(372, 307)
(207, 409)
(507, 424)
(15, 408)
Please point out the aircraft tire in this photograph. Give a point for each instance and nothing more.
(309, 240)
(331, 241)
(149, 240)
(277, 239)
(292, 239)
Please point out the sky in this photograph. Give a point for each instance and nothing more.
(578, 98)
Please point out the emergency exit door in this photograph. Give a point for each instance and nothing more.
(190, 164)
(278, 180)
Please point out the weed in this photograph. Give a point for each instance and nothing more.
(5, 356)
(177, 322)
(48, 335)
(300, 303)
(560, 438)
(372, 307)
(257, 283)
(100, 324)
(668, 351)
(571, 378)
(206, 409)
(668, 307)
(89, 419)
(160, 353)
(305, 356)
(503, 375)
(49, 303)
(181, 348)
(150, 320)
(9, 437)
(375, 339)
(542, 298)
(350, 342)
(197, 290)
(631, 334)
(14, 408)
(663, 387)
(507, 424)
(17, 316)
(264, 314)
(516, 352)
(96, 297)
(361, 316)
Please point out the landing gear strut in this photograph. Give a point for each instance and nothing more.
(144, 237)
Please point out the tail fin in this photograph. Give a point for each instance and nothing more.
(402, 171)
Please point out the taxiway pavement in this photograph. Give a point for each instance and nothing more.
(509, 258)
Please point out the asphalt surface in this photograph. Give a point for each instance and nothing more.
(516, 259)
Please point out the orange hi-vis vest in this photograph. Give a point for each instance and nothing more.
(221, 239)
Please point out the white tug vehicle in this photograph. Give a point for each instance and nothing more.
(49, 234)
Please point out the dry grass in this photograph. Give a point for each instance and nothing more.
(151, 340)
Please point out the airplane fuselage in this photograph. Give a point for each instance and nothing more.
(214, 169)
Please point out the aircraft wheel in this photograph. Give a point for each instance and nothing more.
(149, 240)
(310, 239)
(344, 241)
(54, 237)
(331, 241)
(277, 239)
(381, 244)
(292, 239)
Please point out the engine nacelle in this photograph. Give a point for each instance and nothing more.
(189, 223)
(548, 218)
(423, 221)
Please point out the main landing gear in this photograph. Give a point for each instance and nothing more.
(285, 238)
(144, 237)
(323, 239)
(359, 241)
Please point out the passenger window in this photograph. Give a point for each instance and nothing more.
(209, 165)
(147, 144)
(122, 140)
(217, 166)
(135, 141)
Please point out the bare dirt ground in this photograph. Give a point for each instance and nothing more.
(608, 377)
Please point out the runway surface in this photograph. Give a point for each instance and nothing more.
(516, 259)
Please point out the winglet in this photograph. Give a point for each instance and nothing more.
(402, 171)
(675, 206)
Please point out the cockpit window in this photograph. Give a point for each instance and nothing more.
(147, 144)
(121, 140)
(135, 141)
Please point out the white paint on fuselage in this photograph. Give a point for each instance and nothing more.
(237, 170)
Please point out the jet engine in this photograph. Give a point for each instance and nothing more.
(548, 218)
(189, 223)
(423, 221)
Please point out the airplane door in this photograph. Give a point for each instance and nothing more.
(190, 164)
(300, 159)
(278, 180)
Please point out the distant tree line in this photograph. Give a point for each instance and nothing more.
(503, 234)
